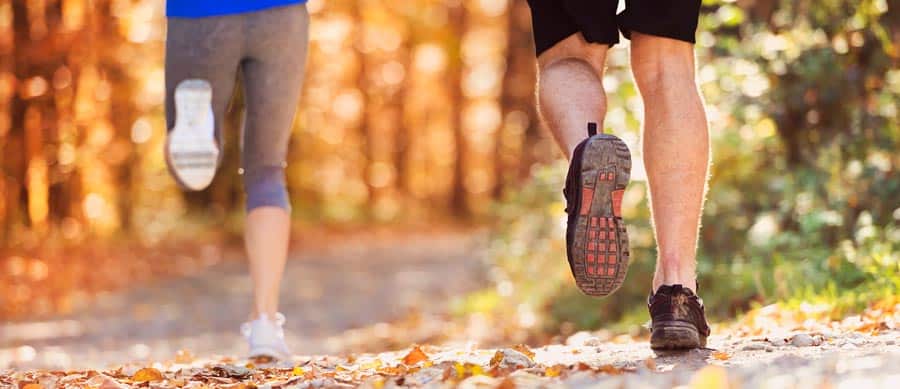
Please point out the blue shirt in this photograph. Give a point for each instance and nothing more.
(203, 8)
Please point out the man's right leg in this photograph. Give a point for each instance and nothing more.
(572, 100)
(570, 89)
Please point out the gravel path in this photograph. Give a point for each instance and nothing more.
(326, 292)
(335, 297)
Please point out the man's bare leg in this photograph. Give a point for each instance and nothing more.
(676, 152)
(570, 90)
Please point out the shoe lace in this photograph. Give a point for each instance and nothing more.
(247, 327)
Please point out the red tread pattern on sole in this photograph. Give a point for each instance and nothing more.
(587, 197)
(617, 201)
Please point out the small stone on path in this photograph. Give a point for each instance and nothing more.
(804, 340)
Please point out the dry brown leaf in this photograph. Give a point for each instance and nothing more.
(415, 356)
(583, 366)
(721, 355)
(610, 369)
(554, 371)
(33, 386)
(147, 374)
(650, 363)
(524, 350)
(496, 359)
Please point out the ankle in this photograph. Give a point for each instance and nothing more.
(675, 274)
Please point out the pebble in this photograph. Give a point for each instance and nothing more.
(804, 340)
(778, 341)
(583, 338)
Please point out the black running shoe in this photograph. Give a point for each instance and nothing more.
(596, 241)
(678, 319)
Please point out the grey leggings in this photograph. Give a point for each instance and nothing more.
(269, 48)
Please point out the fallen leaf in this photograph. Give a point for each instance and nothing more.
(710, 377)
(610, 369)
(721, 355)
(33, 386)
(496, 359)
(524, 350)
(230, 371)
(553, 371)
(375, 364)
(147, 374)
(415, 356)
(468, 369)
(250, 365)
(650, 363)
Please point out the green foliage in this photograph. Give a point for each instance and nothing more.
(803, 200)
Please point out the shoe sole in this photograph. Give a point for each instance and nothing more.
(270, 353)
(192, 151)
(600, 249)
(675, 336)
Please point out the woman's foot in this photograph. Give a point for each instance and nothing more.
(192, 150)
(265, 337)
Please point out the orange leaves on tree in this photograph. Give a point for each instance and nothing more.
(147, 374)
(415, 356)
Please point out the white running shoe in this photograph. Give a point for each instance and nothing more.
(192, 150)
(265, 337)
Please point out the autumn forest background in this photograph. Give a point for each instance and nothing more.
(420, 115)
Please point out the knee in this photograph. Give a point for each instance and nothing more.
(575, 48)
(664, 71)
(571, 69)
(265, 187)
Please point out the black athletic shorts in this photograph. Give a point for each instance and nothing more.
(555, 20)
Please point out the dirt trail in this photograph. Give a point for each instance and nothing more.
(360, 282)
(330, 294)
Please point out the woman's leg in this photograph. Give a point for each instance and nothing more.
(273, 76)
(207, 49)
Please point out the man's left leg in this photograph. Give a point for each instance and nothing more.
(676, 157)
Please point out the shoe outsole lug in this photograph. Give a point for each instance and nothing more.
(675, 336)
